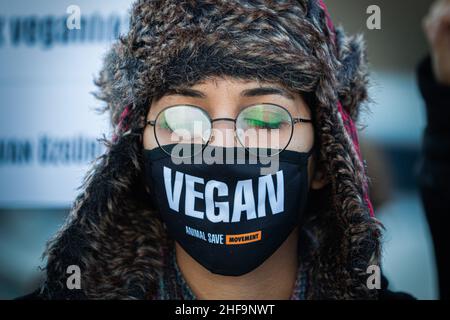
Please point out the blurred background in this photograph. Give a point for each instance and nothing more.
(49, 127)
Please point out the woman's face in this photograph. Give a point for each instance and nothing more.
(225, 98)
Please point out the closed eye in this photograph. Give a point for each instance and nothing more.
(260, 124)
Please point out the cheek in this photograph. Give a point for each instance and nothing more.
(302, 138)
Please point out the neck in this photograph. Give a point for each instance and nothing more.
(274, 279)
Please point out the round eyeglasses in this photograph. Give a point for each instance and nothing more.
(264, 125)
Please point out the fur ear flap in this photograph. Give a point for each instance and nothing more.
(353, 75)
(111, 234)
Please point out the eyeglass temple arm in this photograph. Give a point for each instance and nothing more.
(298, 120)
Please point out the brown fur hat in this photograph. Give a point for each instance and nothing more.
(114, 235)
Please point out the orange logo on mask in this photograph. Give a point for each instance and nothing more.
(232, 239)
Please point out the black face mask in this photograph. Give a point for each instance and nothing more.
(229, 217)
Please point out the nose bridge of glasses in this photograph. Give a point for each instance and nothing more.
(223, 119)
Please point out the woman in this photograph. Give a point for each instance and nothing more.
(259, 76)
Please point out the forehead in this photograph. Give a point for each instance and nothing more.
(232, 85)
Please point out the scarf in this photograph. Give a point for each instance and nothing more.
(173, 286)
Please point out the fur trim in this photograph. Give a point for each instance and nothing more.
(353, 74)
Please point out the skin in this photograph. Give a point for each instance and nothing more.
(275, 278)
(437, 30)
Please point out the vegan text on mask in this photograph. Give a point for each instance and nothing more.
(245, 199)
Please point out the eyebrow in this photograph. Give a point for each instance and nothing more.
(186, 92)
(254, 92)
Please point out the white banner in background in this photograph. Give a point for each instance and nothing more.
(50, 52)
